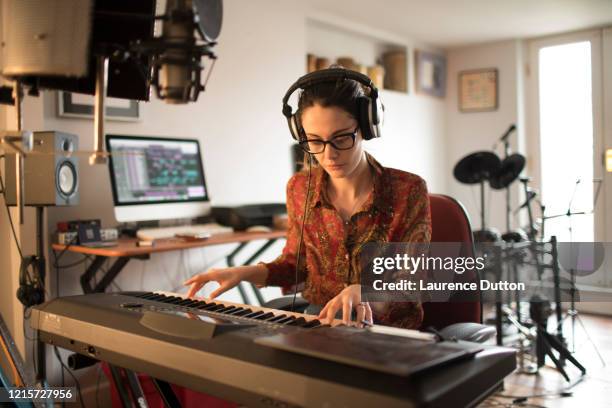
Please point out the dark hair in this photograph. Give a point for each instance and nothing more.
(342, 93)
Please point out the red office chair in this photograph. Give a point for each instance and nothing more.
(460, 319)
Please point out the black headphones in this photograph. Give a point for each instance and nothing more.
(30, 292)
(370, 108)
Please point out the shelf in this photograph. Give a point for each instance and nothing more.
(333, 41)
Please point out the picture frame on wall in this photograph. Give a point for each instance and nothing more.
(81, 106)
(430, 72)
(478, 90)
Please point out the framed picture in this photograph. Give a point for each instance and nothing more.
(478, 90)
(75, 105)
(430, 73)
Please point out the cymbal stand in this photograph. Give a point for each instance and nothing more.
(545, 343)
(508, 209)
(572, 312)
(529, 193)
(482, 205)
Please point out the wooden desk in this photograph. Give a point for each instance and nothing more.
(127, 249)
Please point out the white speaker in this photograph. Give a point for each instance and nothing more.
(45, 37)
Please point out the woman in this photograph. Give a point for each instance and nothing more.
(350, 200)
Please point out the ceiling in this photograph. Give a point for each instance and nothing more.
(455, 23)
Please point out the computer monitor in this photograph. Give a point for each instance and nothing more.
(156, 178)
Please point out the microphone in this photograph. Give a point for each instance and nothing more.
(511, 129)
(177, 64)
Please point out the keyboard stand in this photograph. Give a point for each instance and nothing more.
(87, 278)
(131, 394)
(230, 262)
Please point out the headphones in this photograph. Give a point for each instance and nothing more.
(30, 292)
(370, 108)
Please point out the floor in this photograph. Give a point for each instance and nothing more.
(593, 390)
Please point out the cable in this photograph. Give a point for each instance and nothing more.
(16, 376)
(98, 385)
(65, 249)
(8, 211)
(77, 383)
(563, 393)
(76, 263)
(299, 248)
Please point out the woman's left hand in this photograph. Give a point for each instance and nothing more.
(349, 298)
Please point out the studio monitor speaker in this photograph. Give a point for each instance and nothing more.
(51, 171)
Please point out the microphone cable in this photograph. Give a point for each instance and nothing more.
(299, 248)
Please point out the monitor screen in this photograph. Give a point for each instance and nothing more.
(145, 171)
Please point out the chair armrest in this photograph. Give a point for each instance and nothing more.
(468, 331)
(284, 303)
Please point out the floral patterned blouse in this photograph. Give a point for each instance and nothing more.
(397, 210)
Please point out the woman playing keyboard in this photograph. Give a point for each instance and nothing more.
(349, 199)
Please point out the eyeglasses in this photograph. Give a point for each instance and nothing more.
(345, 141)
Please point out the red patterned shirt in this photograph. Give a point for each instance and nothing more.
(397, 210)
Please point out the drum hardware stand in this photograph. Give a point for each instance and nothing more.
(507, 154)
(528, 336)
(526, 333)
(545, 342)
(572, 312)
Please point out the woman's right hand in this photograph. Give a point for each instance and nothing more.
(226, 277)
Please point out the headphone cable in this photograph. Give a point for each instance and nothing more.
(299, 248)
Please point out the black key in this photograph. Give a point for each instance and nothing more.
(184, 302)
(200, 305)
(243, 312)
(236, 310)
(158, 298)
(286, 320)
(148, 296)
(191, 303)
(277, 318)
(217, 307)
(300, 321)
(264, 316)
(225, 309)
(254, 314)
(311, 324)
(208, 306)
(173, 300)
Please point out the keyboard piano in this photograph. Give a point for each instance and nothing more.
(263, 357)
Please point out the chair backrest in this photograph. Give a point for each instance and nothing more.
(450, 223)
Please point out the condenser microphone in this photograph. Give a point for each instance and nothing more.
(177, 71)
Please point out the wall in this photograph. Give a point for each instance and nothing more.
(414, 125)
(10, 309)
(244, 140)
(470, 132)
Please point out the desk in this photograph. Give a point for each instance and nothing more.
(127, 249)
